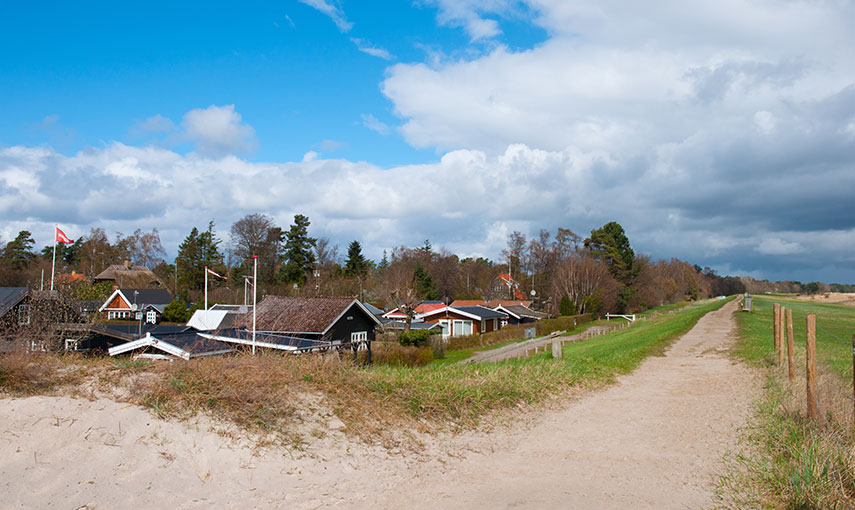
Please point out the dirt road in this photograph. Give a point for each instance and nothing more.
(654, 440)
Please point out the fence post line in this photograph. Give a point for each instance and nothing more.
(776, 321)
(791, 362)
(810, 357)
(782, 330)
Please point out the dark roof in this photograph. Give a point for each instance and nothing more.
(195, 344)
(298, 314)
(373, 309)
(148, 296)
(11, 296)
(132, 331)
(244, 337)
(480, 311)
(523, 311)
(231, 308)
(396, 325)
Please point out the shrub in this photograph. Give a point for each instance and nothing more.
(566, 307)
(414, 337)
(399, 355)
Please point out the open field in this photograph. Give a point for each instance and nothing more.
(793, 462)
(842, 298)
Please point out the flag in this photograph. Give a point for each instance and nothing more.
(62, 238)
(217, 275)
(246, 279)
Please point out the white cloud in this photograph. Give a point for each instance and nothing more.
(333, 11)
(470, 15)
(218, 130)
(157, 124)
(520, 189)
(372, 123)
(777, 246)
(366, 47)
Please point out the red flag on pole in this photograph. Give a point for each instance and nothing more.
(62, 238)
(246, 279)
(217, 275)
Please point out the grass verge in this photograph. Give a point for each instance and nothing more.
(793, 462)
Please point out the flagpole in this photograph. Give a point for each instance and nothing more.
(254, 286)
(244, 290)
(53, 264)
(206, 288)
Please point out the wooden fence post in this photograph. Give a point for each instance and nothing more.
(776, 321)
(853, 383)
(556, 348)
(782, 331)
(810, 356)
(791, 362)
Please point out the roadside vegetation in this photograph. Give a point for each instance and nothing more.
(269, 394)
(790, 461)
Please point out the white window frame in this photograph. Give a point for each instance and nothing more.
(446, 327)
(151, 317)
(359, 336)
(483, 325)
(459, 327)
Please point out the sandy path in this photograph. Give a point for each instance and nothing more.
(653, 440)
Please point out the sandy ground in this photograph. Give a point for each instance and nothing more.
(841, 298)
(654, 440)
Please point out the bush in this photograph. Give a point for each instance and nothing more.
(566, 307)
(399, 355)
(414, 337)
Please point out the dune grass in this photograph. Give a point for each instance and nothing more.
(271, 394)
(794, 462)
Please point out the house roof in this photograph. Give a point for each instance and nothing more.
(489, 304)
(132, 331)
(422, 308)
(301, 314)
(133, 276)
(396, 325)
(268, 340)
(373, 309)
(141, 297)
(211, 319)
(473, 312)
(186, 345)
(10, 297)
(519, 311)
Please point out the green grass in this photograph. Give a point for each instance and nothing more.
(793, 462)
(464, 393)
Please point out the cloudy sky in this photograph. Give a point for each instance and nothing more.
(722, 133)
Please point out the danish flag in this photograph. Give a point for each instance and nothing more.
(62, 238)
(246, 279)
(215, 274)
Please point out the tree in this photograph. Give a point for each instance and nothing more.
(610, 245)
(424, 284)
(194, 253)
(256, 234)
(18, 252)
(145, 249)
(384, 262)
(356, 264)
(299, 256)
(565, 307)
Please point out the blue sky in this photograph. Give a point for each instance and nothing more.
(721, 134)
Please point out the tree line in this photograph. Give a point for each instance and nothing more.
(561, 272)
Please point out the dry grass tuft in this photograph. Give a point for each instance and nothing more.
(397, 355)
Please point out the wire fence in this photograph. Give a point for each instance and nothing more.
(830, 416)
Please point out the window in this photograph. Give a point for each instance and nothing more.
(504, 322)
(151, 317)
(359, 337)
(462, 328)
(483, 325)
(23, 314)
(445, 327)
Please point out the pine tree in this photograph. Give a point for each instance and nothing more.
(298, 252)
(18, 252)
(194, 253)
(384, 262)
(425, 287)
(356, 264)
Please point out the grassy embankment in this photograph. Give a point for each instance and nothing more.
(794, 463)
(269, 393)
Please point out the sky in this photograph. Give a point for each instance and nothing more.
(721, 133)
